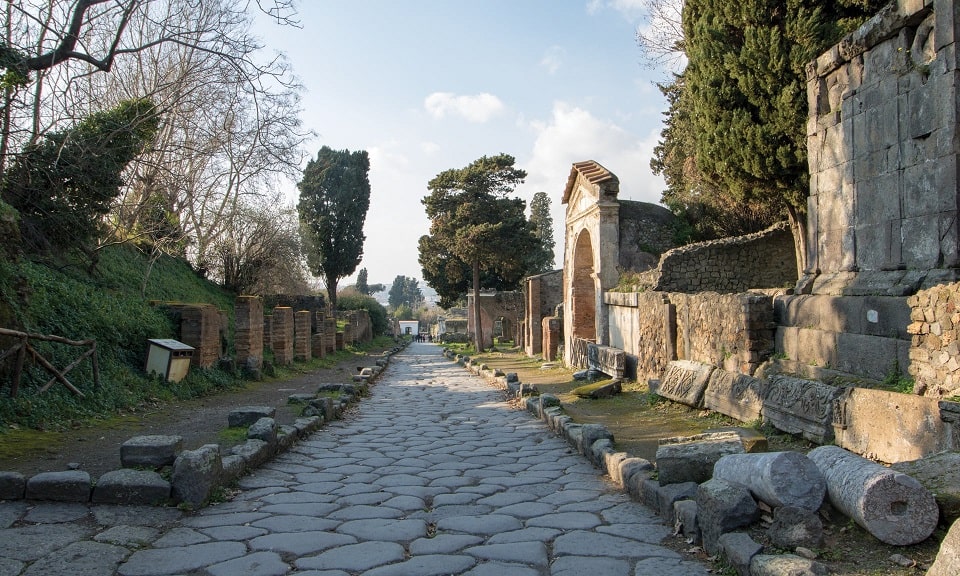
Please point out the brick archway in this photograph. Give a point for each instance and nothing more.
(583, 289)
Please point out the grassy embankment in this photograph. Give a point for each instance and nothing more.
(118, 307)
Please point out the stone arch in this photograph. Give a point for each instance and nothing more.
(583, 289)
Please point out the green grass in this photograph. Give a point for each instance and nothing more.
(117, 307)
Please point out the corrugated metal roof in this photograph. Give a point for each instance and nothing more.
(593, 172)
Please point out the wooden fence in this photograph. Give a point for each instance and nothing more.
(23, 347)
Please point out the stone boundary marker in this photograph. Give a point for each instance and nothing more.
(195, 473)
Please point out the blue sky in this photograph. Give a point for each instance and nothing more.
(429, 85)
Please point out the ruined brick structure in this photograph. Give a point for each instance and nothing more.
(543, 293)
(248, 335)
(494, 306)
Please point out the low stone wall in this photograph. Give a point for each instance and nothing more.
(729, 264)
(730, 331)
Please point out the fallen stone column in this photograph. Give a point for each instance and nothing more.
(777, 478)
(892, 506)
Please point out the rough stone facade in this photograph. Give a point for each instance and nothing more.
(730, 331)
(935, 331)
(729, 264)
(543, 292)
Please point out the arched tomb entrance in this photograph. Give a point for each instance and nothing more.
(590, 258)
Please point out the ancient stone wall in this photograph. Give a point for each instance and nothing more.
(543, 292)
(882, 145)
(730, 264)
(730, 331)
(314, 304)
(201, 328)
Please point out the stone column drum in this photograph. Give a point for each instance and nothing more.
(892, 506)
(776, 478)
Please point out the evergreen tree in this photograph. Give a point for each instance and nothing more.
(362, 286)
(541, 259)
(334, 199)
(746, 93)
(476, 227)
(405, 292)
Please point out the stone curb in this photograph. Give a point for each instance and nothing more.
(140, 487)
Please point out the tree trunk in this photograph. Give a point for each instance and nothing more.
(477, 327)
(798, 225)
(332, 293)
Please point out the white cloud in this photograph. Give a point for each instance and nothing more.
(429, 148)
(477, 108)
(574, 134)
(632, 10)
(553, 58)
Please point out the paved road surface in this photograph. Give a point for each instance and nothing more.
(433, 474)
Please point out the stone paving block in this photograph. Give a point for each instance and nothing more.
(685, 520)
(739, 549)
(722, 507)
(126, 486)
(248, 415)
(671, 493)
(13, 486)
(691, 458)
(196, 473)
(263, 429)
(151, 451)
(785, 565)
(66, 486)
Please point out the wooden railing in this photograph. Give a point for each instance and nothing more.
(23, 347)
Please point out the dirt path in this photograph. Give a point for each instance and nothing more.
(96, 448)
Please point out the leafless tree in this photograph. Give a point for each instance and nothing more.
(660, 37)
(230, 123)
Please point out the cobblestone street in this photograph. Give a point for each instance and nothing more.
(433, 474)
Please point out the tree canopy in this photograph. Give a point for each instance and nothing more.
(334, 199)
(735, 132)
(405, 291)
(541, 258)
(479, 236)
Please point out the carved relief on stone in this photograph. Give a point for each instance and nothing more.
(736, 395)
(685, 381)
(801, 407)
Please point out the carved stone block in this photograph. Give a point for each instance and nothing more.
(802, 407)
(736, 395)
(685, 381)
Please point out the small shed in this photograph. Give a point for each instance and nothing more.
(169, 358)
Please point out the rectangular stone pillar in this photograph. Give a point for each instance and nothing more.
(200, 328)
(317, 348)
(301, 336)
(339, 343)
(552, 337)
(330, 335)
(282, 335)
(248, 311)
